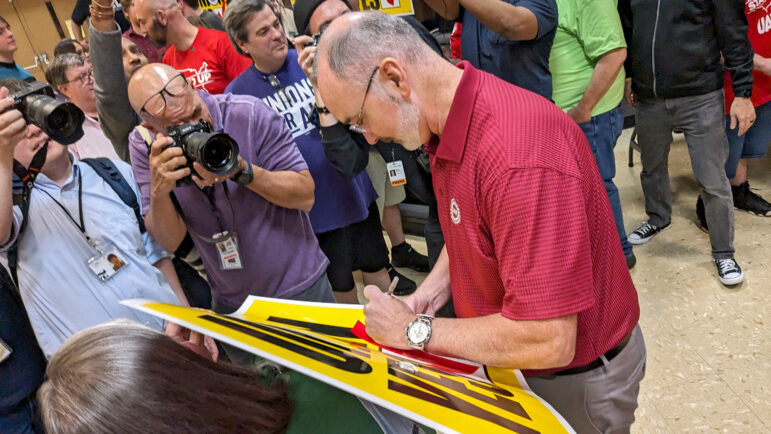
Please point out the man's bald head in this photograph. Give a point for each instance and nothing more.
(153, 17)
(147, 81)
(152, 6)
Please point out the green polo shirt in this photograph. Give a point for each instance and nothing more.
(587, 29)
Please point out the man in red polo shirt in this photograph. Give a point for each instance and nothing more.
(205, 56)
(533, 261)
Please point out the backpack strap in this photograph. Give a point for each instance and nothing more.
(107, 170)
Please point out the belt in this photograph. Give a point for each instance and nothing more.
(596, 363)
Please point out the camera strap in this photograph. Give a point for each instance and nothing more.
(209, 192)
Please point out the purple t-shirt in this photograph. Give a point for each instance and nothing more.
(279, 252)
(339, 201)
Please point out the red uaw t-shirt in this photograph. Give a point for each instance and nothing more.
(211, 63)
(525, 216)
(759, 19)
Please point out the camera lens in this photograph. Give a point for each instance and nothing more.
(61, 121)
(217, 153)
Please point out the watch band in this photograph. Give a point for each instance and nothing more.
(245, 176)
(424, 319)
(322, 110)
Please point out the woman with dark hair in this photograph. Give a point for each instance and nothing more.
(124, 377)
(70, 46)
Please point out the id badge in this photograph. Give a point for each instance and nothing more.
(227, 248)
(107, 261)
(5, 351)
(396, 173)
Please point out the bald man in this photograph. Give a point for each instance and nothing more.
(259, 213)
(532, 258)
(205, 56)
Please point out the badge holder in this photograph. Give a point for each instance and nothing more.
(108, 260)
(227, 248)
(396, 171)
(5, 351)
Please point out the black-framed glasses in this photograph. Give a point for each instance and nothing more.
(355, 127)
(83, 78)
(275, 83)
(156, 104)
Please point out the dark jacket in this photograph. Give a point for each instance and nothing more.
(675, 46)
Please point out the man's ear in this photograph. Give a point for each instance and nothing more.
(64, 90)
(149, 127)
(242, 45)
(395, 76)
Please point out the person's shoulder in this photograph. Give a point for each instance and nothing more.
(243, 83)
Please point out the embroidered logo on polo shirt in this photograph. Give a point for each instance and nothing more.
(454, 211)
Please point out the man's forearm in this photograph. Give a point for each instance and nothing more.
(448, 9)
(436, 286)
(515, 23)
(286, 188)
(495, 340)
(166, 267)
(605, 72)
(164, 223)
(6, 197)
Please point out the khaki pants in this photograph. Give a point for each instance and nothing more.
(602, 400)
(387, 194)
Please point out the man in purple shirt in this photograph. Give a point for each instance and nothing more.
(259, 211)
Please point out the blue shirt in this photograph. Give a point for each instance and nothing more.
(339, 201)
(12, 70)
(522, 63)
(60, 292)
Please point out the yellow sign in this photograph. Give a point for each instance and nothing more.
(393, 7)
(217, 6)
(316, 339)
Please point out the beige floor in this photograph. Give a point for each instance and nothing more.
(709, 347)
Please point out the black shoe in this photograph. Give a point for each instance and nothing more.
(404, 255)
(405, 286)
(729, 271)
(701, 215)
(631, 260)
(749, 201)
(645, 232)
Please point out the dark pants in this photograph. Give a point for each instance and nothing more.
(702, 119)
(319, 291)
(602, 132)
(602, 400)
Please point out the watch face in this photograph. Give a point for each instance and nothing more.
(418, 332)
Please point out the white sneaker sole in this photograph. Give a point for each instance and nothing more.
(733, 280)
(638, 241)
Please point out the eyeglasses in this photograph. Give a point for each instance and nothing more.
(83, 78)
(355, 127)
(276, 84)
(156, 104)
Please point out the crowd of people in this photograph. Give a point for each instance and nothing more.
(327, 118)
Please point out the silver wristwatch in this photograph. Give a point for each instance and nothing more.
(419, 331)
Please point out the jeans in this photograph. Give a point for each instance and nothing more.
(702, 119)
(753, 144)
(602, 132)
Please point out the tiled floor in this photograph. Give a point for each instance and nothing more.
(709, 347)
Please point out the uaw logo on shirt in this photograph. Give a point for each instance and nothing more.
(454, 211)
(295, 103)
(199, 78)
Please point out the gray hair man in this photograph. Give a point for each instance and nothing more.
(507, 166)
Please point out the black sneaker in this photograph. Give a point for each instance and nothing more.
(645, 232)
(747, 200)
(701, 215)
(404, 255)
(631, 261)
(729, 271)
(405, 286)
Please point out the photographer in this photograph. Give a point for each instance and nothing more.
(257, 213)
(344, 216)
(73, 221)
(349, 151)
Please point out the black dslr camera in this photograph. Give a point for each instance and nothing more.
(61, 121)
(216, 152)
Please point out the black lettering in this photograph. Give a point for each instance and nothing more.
(328, 353)
(338, 332)
(371, 4)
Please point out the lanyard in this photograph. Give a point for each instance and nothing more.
(209, 192)
(82, 225)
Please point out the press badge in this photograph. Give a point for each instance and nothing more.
(396, 173)
(227, 248)
(108, 260)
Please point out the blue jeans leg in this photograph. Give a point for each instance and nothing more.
(602, 132)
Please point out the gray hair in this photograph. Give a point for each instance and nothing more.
(56, 73)
(353, 53)
(238, 15)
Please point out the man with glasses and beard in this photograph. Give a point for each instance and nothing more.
(259, 210)
(205, 56)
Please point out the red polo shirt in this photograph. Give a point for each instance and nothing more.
(525, 216)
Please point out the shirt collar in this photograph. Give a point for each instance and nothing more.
(452, 143)
(44, 181)
(214, 110)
